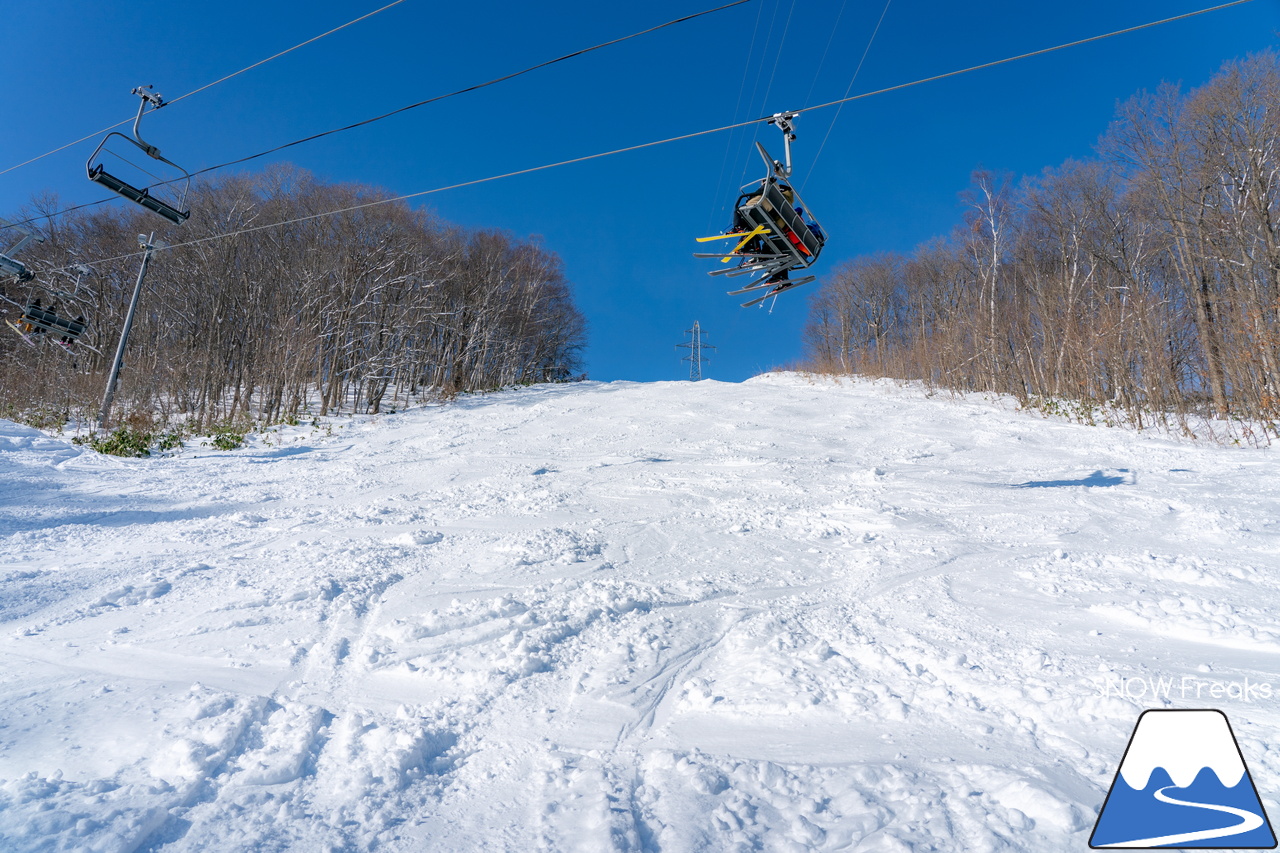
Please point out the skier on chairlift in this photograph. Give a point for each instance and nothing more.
(774, 232)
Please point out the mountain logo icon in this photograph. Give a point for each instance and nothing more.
(1183, 784)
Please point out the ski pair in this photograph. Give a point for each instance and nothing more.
(775, 289)
(30, 339)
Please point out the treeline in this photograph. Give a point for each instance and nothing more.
(325, 313)
(1146, 279)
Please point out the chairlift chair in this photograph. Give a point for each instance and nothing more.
(774, 205)
(172, 204)
(777, 232)
(39, 321)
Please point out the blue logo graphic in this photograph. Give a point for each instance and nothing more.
(1183, 784)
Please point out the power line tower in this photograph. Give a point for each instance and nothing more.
(695, 347)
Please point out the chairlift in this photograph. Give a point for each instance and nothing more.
(52, 321)
(775, 232)
(171, 202)
(10, 268)
(37, 320)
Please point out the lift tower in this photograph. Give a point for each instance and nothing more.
(695, 347)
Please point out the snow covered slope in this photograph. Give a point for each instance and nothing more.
(780, 615)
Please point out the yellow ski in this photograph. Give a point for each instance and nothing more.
(746, 238)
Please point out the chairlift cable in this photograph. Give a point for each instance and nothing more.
(830, 39)
(1021, 56)
(736, 140)
(737, 106)
(467, 89)
(773, 19)
(681, 137)
(777, 60)
(257, 64)
(432, 100)
(419, 194)
(283, 52)
(849, 88)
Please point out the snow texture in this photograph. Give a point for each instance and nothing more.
(783, 615)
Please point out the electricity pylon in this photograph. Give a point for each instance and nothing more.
(695, 347)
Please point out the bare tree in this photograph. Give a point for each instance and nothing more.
(243, 322)
(1148, 279)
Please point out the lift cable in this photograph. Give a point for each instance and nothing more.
(736, 140)
(823, 61)
(777, 60)
(467, 89)
(257, 64)
(432, 100)
(685, 136)
(1020, 56)
(737, 106)
(848, 89)
(283, 52)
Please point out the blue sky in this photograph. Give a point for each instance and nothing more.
(886, 180)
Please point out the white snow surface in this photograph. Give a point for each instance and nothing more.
(788, 614)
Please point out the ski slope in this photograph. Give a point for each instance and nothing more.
(788, 614)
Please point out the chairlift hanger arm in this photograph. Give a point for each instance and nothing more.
(22, 242)
(148, 96)
(785, 123)
(8, 266)
(28, 236)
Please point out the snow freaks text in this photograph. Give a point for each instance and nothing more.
(1186, 687)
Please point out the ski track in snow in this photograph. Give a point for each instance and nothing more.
(785, 615)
